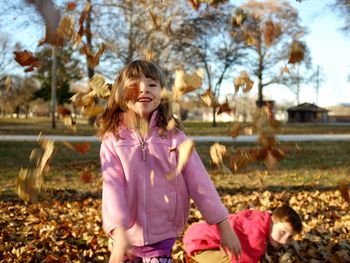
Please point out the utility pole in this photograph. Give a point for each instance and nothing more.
(53, 87)
(317, 83)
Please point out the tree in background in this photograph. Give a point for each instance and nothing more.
(206, 40)
(268, 27)
(343, 6)
(68, 69)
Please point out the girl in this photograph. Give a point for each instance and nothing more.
(143, 208)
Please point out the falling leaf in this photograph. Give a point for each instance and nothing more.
(63, 111)
(285, 69)
(93, 59)
(236, 127)
(296, 52)
(151, 177)
(83, 148)
(81, 99)
(166, 199)
(86, 177)
(209, 99)
(66, 28)
(272, 32)
(98, 85)
(185, 151)
(195, 4)
(217, 152)
(93, 110)
(344, 190)
(26, 58)
(167, 27)
(270, 161)
(69, 145)
(185, 83)
(71, 6)
(248, 130)
(8, 83)
(243, 81)
(25, 186)
(225, 107)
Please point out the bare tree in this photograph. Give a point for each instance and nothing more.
(265, 53)
(205, 41)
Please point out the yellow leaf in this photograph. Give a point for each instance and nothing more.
(99, 86)
(217, 152)
(66, 28)
(185, 83)
(209, 99)
(185, 151)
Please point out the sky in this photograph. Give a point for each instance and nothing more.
(329, 46)
(330, 49)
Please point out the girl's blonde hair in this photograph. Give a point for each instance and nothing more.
(110, 120)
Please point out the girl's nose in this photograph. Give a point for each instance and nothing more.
(143, 87)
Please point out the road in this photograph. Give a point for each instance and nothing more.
(250, 138)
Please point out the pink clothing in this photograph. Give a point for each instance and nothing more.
(252, 228)
(138, 194)
(162, 248)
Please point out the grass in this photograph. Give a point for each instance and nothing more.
(307, 164)
(36, 125)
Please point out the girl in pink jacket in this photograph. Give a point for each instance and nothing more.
(145, 199)
(254, 229)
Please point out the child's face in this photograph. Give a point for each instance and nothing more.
(281, 234)
(146, 96)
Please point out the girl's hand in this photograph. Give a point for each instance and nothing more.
(229, 240)
(120, 246)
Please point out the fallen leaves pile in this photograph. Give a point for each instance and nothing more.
(66, 226)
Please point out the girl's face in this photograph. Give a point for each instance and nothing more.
(143, 96)
(281, 234)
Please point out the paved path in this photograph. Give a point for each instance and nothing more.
(251, 138)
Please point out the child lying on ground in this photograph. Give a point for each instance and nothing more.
(254, 230)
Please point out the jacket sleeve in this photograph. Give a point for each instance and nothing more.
(202, 190)
(114, 203)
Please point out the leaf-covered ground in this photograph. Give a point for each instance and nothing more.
(65, 226)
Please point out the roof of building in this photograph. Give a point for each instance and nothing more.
(307, 107)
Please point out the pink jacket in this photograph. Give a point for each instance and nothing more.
(137, 193)
(252, 228)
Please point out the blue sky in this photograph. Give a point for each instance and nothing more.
(330, 48)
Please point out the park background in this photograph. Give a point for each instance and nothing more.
(306, 73)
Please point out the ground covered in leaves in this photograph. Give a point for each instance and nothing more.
(65, 225)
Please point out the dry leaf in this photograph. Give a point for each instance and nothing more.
(344, 190)
(195, 4)
(225, 107)
(65, 29)
(83, 148)
(236, 127)
(185, 151)
(155, 20)
(296, 52)
(69, 145)
(63, 111)
(71, 6)
(86, 177)
(243, 81)
(217, 152)
(209, 99)
(272, 32)
(26, 58)
(185, 83)
(8, 83)
(98, 85)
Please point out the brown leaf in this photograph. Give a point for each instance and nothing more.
(209, 99)
(83, 148)
(344, 190)
(93, 110)
(86, 177)
(225, 107)
(235, 129)
(195, 4)
(71, 6)
(66, 29)
(100, 88)
(26, 58)
(296, 52)
(155, 20)
(185, 83)
(63, 111)
(243, 81)
(272, 32)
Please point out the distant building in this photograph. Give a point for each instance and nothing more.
(307, 112)
(339, 113)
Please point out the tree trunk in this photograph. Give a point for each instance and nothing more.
(214, 117)
(53, 88)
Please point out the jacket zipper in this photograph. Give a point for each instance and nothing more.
(144, 180)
